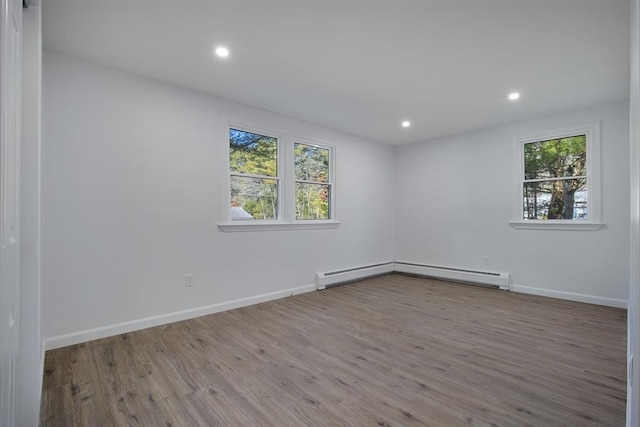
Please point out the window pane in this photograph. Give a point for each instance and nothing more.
(254, 198)
(311, 163)
(312, 201)
(558, 199)
(556, 158)
(253, 153)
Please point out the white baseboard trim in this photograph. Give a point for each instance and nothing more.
(163, 319)
(590, 299)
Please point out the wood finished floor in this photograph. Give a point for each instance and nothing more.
(390, 351)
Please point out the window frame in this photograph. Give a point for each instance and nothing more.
(593, 176)
(286, 183)
(330, 182)
(279, 169)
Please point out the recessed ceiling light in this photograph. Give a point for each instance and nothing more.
(406, 124)
(222, 52)
(514, 95)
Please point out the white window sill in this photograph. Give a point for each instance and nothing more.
(249, 225)
(556, 225)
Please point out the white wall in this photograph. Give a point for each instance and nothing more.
(455, 199)
(132, 199)
(29, 364)
(633, 380)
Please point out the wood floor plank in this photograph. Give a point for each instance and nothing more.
(390, 351)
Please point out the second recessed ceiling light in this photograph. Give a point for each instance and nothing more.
(222, 52)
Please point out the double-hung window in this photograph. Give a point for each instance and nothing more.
(277, 181)
(254, 178)
(559, 179)
(313, 182)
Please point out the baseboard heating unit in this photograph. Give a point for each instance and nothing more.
(500, 280)
(338, 277)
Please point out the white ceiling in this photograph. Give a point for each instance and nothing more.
(362, 66)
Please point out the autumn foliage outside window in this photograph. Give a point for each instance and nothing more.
(301, 189)
(313, 190)
(255, 184)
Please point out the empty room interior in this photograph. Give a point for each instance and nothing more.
(288, 212)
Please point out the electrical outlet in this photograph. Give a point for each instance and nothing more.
(188, 280)
(486, 260)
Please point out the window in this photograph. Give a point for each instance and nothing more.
(559, 180)
(254, 178)
(276, 181)
(555, 178)
(313, 187)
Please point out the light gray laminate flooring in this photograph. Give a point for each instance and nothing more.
(389, 351)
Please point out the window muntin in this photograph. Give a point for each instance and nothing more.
(254, 178)
(312, 182)
(554, 185)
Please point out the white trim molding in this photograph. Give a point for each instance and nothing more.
(593, 177)
(322, 280)
(276, 226)
(556, 225)
(163, 319)
(571, 296)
